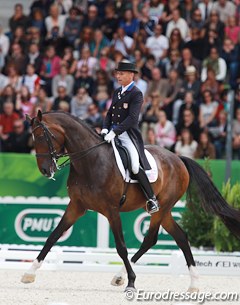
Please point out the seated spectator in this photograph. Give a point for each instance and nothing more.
(64, 6)
(225, 9)
(205, 148)
(17, 58)
(171, 62)
(190, 104)
(190, 122)
(31, 80)
(140, 83)
(110, 22)
(151, 138)
(18, 141)
(219, 134)
(139, 44)
(86, 37)
(196, 21)
(38, 20)
(215, 24)
(83, 80)
(34, 57)
(196, 44)
(186, 146)
(157, 45)
(69, 60)
(167, 14)
(211, 84)
(50, 67)
(55, 19)
(150, 114)
(191, 83)
(232, 30)
(156, 9)
(35, 36)
(210, 41)
(91, 19)
(208, 110)
(80, 103)
(63, 79)
(72, 26)
(58, 42)
(14, 77)
(188, 60)
(216, 63)
(102, 89)
(148, 67)
(18, 18)
(104, 62)
(7, 119)
(165, 131)
(42, 102)
(129, 23)
(177, 22)
(86, 60)
(98, 43)
(122, 43)
(61, 97)
(24, 102)
(4, 46)
(229, 53)
(205, 7)
(19, 37)
(175, 40)
(147, 22)
(8, 95)
(94, 118)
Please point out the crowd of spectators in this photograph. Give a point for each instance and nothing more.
(63, 54)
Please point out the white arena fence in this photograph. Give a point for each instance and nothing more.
(107, 260)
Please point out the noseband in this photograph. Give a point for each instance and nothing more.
(48, 136)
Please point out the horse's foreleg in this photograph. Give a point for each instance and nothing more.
(149, 240)
(170, 225)
(69, 218)
(116, 226)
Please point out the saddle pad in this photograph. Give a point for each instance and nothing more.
(152, 174)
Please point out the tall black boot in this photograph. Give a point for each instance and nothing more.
(152, 204)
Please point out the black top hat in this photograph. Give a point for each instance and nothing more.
(126, 66)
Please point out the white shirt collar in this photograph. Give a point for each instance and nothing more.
(126, 87)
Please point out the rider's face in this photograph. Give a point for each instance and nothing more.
(124, 77)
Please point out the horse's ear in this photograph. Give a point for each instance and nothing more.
(39, 115)
(28, 118)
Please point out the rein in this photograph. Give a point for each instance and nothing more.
(48, 135)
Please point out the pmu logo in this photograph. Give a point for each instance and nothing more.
(35, 225)
(142, 224)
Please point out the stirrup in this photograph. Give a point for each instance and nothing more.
(152, 206)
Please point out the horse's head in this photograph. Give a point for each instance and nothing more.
(48, 138)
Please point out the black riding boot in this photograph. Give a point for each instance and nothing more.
(152, 204)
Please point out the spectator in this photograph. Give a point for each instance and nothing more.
(55, 19)
(191, 83)
(219, 134)
(38, 20)
(62, 101)
(8, 95)
(7, 119)
(171, 62)
(94, 118)
(190, 104)
(205, 7)
(208, 110)
(205, 148)
(196, 44)
(42, 102)
(186, 146)
(151, 137)
(98, 43)
(83, 80)
(216, 63)
(188, 60)
(110, 22)
(69, 60)
(177, 22)
(147, 68)
(169, 7)
(129, 23)
(225, 9)
(86, 60)
(31, 80)
(4, 47)
(147, 22)
(122, 43)
(214, 24)
(190, 122)
(14, 78)
(102, 89)
(72, 26)
(35, 37)
(24, 101)
(196, 21)
(156, 8)
(80, 103)
(34, 57)
(105, 63)
(188, 8)
(43, 5)
(63, 79)
(140, 83)
(18, 141)
(211, 84)
(3, 82)
(91, 19)
(64, 6)
(165, 131)
(175, 41)
(17, 58)
(232, 30)
(157, 45)
(18, 18)
(139, 43)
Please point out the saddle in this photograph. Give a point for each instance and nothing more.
(124, 155)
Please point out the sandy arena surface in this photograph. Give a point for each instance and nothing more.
(77, 288)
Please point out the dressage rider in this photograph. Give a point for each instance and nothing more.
(122, 121)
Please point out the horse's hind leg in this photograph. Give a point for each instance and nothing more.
(170, 225)
(116, 226)
(70, 216)
(149, 240)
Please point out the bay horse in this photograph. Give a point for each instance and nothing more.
(95, 183)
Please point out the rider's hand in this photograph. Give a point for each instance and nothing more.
(104, 132)
(110, 136)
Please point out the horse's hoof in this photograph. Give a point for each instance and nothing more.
(193, 289)
(133, 289)
(117, 281)
(28, 278)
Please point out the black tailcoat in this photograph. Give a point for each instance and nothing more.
(123, 115)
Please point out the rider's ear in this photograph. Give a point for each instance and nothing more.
(39, 115)
(28, 118)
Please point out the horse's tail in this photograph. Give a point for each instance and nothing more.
(211, 199)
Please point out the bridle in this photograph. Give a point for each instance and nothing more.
(52, 152)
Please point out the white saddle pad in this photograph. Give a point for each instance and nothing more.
(152, 174)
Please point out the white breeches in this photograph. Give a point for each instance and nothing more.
(127, 142)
